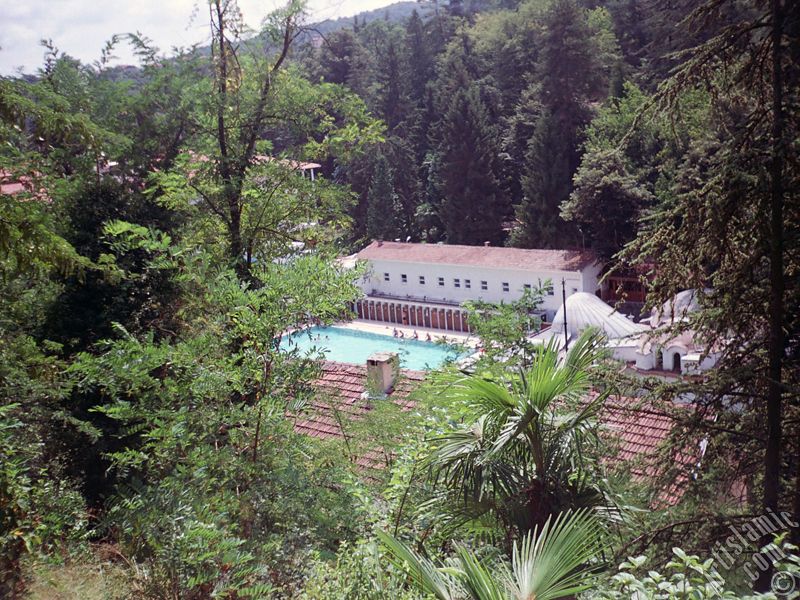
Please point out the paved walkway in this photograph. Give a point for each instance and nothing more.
(408, 332)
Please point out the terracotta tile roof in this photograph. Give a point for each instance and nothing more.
(494, 257)
(341, 386)
(639, 433)
(11, 185)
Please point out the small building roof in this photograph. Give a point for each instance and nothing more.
(296, 165)
(586, 310)
(494, 257)
(683, 340)
(341, 388)
(11, 185)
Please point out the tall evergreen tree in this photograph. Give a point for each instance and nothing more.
(393, 98)
(337, 56)
(419, 58)
(382, 203)
(473, 205)
(407, 181)
(550, 161)
(569, 78)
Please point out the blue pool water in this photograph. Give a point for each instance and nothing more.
(351, 346)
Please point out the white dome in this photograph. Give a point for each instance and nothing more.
(587, 310)
(676, 309)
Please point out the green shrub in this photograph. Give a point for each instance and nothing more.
(687, 576)
(358, 573)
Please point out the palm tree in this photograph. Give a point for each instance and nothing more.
(520, 458)
(556, 563)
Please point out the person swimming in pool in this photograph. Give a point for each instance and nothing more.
(428, 337)
(394, 332)
(415, 335)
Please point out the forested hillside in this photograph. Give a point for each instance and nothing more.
(490, 112)
(160, 237)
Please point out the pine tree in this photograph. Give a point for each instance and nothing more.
(473, 205)
(547, 181)
(406, 180)
(569, 78)
(382, 203)
(338, 56)
(393, 83)
(419, 58)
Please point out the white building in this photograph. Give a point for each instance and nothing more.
(678, 347)
(405, 282)
(650, 346)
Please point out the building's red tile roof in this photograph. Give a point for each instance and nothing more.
(341, 387)
(637, 431)
(479, 256)
(11, 185)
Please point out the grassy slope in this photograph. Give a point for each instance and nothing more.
(89, 581)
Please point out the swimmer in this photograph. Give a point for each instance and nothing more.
(415, 335)
(427, 337)
(394, 332)
(402, 335)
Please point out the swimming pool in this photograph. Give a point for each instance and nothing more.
(351, 346)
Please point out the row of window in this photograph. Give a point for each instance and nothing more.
(467, 283)
(549, 291)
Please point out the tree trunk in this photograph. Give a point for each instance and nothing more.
(772, 457)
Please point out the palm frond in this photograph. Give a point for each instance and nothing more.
(424, 574)
(556, 561)
(480, 582)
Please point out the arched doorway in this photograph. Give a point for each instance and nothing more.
(676, 362)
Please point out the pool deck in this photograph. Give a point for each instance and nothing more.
(408, 332)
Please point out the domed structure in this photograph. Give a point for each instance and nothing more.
(676, 309)
(645, 349)
(587, 310)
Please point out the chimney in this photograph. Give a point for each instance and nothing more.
(380, 243)
(382, 370)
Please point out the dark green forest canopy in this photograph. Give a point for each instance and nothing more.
(148, 221)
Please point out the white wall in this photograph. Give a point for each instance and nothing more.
(626, 353)
(576, 281)
(693, 366)
(591, 275)
(646, 362)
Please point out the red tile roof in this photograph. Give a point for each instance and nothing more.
(341, 387)
(494, 257)
(11, 184)
(638, 431)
